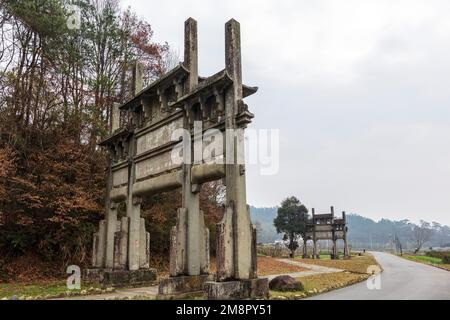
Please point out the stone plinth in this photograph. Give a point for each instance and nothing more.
(237, 289)
(120, 278)
(182, 284)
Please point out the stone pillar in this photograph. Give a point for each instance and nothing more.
(195, 239)
(191, 52)
(138, 77)
(178, 244)
(305, 249)
(206, 259)
(225, 246)
(204, 245)
(98, 249)
(236, 244)
(346, 250)
(123, 247)
(315, 254)
(111, 225)
(144, 246)
(134, 215)
(189, 249)
(194, 231)
(335, 252)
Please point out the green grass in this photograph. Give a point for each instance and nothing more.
(425, 259)
(44, 290)
(432, 261)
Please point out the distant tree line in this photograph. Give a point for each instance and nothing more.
(367, 233)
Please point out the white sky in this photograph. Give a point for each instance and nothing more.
(358, 88)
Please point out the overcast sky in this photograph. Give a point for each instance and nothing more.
(359, 89)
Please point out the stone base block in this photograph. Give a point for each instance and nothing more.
(120, 278)
(182, 284)
(237, 289)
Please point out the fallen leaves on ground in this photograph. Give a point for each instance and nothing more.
(269, 266)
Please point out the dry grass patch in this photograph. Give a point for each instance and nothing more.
(268, 266)
(357, 264)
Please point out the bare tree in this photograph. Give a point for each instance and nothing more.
(421, 234)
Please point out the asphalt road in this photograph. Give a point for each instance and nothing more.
(401, 280)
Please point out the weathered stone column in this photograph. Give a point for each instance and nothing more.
(144, 246)
(115, 117)
(178, 244)
(346, 250)
(138, 78)
(334, 249)
(315, 254)
(194, 233)
(98, 248)
(305, 249)
(191, 192)
(121, 256)
(111, 226)
(234, 257)
(191, 52)
(188, 237)
(236, 237)
(134, 203)
(134, 215)
(314, 233)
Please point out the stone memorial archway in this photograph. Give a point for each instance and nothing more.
(178, 115)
